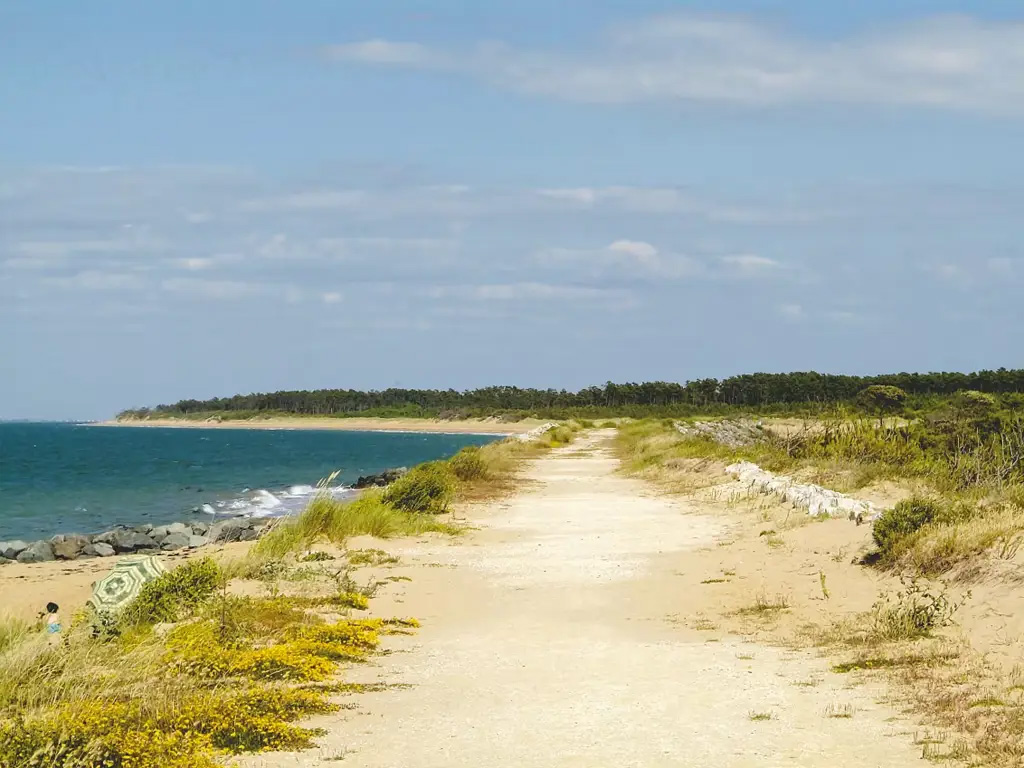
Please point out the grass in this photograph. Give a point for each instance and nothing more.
(328, 519)
(13, 632)
(840, 711)
(760, 716)
(765, 605)
(374, 557)
(223, 679)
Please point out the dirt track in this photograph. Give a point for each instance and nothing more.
(560, 634)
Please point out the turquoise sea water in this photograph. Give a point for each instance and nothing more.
(63, 478)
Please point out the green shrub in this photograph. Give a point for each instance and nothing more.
(425, 488)
(469, 465)
(901, 521)
(609, 425)
(173, 594)
(560, 435)
(913, 612)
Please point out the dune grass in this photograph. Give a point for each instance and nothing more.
(227, 676)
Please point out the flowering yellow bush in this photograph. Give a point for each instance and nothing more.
(102, 734)
(307, 652)
(127, 735)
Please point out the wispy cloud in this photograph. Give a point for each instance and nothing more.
(627, 258)
(750, 264)
(950, 62)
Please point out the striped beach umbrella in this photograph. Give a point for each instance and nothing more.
(119, 587)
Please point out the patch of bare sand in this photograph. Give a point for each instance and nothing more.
(26, 588)
(572, 630)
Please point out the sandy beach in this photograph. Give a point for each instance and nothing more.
(592, 619)
(468, 426)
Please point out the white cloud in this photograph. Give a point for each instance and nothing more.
(644, 253)
(791, 311)
(94, 280)
(954, 62)
(630, 258)
(523, 291)
(1001, 266)
(749, 264)
(331, 297)
(387, 52)
(213, 289)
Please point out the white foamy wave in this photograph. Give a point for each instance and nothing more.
(263, 503)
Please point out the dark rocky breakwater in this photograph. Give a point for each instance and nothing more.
(152, 539)
(140, 539)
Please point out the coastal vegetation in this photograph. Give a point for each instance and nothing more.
(194, 670)
(944, 548)
(963, 458)
(800, 392)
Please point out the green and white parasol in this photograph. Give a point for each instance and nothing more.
(119, 587)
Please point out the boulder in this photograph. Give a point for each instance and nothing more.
(5, 561)
(179, 528)
(98, 549)
(175, 541)
(200, 528)
(145, 528)
(11, 549)
(69, 547)
(194, 542)
(228, 530)
(37, 552)
(131, 541)
(384, 478)
(248, 534)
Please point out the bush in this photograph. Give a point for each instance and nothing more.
(469, 465)
(913, 612)
(425, 488)
(901, 521)
(560, 435)
(174, 594)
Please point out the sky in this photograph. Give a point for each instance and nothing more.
(199, 199)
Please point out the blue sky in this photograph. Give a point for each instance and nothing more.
(198, 199)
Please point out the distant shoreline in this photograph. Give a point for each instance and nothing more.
(375, 424)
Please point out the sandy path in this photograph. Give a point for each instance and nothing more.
(557, 635)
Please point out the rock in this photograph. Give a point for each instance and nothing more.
(11, 549)
(179, 528)
(107, 536)
(69, 547)
(194, 542)
(131, 541)
(734, 433)
(227, 530)
(146, 529)
(200, 528)
(384, 478)
(5, 561)
(248, 534)
(175, 541)
(98, 549)
(37, 552)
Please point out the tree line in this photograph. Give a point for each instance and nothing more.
(747, 390)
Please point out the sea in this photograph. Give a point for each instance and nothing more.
(77, 478)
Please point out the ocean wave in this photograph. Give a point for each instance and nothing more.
(264, 503)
